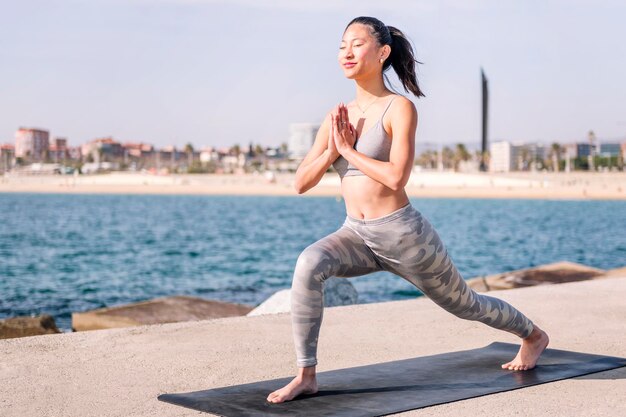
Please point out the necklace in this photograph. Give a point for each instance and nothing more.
(363, 111)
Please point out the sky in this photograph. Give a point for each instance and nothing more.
(219, 73)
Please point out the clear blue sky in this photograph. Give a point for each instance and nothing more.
(226, 72)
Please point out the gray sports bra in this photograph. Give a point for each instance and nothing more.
(375, 143)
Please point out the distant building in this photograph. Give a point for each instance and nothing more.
(7, 157)
(138, 155)
(506, 157)
(60, 143)
(610, 149)
(168, 156)
(38, 168)
(75, 152)
(209, 154)
(233, 163)
(92, 167)
(103, 149)
(584, 150)
(137, 150)
(58, 149)
(534, 151)
(31, 144)
(501, 157)
(301, 138)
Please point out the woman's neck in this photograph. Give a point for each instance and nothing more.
(367, 90)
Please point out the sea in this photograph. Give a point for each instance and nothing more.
(64, 253)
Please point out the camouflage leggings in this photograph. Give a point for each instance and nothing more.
(402, 242)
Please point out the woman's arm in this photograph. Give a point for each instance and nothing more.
(317, 160)
(395, 173)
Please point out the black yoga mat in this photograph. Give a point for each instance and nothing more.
(392, 387)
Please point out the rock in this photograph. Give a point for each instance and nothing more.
(27, 326)
(337, 292)
(160, 310)
(555, 273)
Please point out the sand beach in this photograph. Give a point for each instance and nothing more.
(579, 185)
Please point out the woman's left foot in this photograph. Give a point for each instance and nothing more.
(532, 347)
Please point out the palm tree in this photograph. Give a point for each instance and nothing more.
(189, 151)
(556, 151)
(523, 159)
(460, 154)
(447, 156)
(427, 159)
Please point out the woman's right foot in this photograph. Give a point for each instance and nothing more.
(299, 385)
(529, 352)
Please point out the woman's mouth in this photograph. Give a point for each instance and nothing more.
(349, 64)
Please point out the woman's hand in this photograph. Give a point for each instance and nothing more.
(332, 149)
(343, 133)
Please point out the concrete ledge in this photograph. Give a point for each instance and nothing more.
(120, 372)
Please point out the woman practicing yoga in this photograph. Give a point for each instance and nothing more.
(382, 230)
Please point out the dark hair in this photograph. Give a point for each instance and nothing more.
(401, 59)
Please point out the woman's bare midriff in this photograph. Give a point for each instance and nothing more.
(366, 198)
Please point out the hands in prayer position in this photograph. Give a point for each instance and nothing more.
(342, 133)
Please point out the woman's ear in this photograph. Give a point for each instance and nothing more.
(387, 51)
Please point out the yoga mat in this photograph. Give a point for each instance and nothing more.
(402, 385)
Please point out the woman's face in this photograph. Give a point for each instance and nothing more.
(359, 53)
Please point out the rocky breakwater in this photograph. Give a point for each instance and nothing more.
(159, 310)
(555, 273)
(337, 292)
(27, 326)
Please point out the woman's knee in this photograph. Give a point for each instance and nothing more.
(312, 263)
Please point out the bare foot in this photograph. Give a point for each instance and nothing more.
(299, 385)
(529, 352)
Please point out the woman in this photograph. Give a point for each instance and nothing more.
(382, 230)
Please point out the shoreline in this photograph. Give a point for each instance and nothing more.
(551, 186)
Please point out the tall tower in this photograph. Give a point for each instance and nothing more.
(485, 106)
(592, 149)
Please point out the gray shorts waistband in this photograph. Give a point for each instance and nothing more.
(381, 220)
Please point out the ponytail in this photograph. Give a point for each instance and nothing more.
(401, 58)
(403, 61)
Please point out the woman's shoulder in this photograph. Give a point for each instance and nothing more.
(399, 98)
(401, 105)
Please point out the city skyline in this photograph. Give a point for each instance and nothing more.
(163, 72)
(289, 142)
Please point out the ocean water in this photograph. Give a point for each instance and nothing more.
(63, 253)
